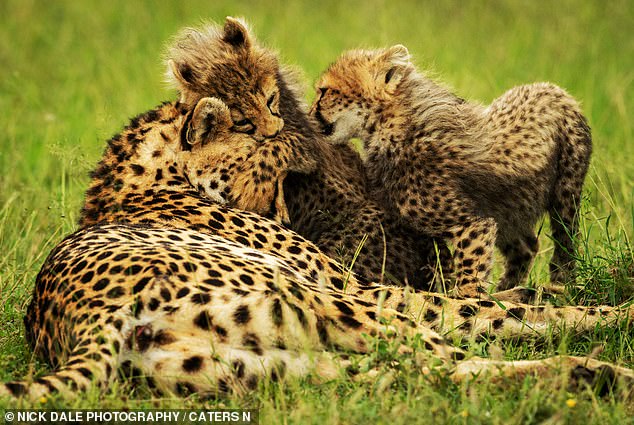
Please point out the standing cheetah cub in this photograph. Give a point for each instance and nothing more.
(479, 176)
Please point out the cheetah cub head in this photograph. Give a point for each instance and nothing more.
(208, 139)
(227, 63)
(358, 85)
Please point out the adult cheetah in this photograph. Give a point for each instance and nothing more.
(479, 176)
(203, 297)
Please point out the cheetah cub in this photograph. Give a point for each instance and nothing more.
(209, 134)
(478, 176)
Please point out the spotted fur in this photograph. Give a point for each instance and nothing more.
(164, 281)
(477, 176)
(325, 186)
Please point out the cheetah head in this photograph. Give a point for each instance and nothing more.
(354, 87)
(228, 64)
(211, 158)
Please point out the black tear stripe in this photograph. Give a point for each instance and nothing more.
(183, 136)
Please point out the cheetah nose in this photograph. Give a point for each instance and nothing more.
(268, 136)
(328, 129)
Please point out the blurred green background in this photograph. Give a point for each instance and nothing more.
(73, 72)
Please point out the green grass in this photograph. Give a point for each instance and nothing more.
(73, 72)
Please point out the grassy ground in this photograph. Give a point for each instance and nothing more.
(73, 72)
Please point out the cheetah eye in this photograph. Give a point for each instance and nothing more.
(273, 103)
(244, 126)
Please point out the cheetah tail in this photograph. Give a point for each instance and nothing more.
(93, 362)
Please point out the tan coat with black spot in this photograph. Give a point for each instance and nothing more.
(478, 176)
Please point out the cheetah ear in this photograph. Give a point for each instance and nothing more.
(181, 75)
(395, 60)
(209, 118)
(236, 33)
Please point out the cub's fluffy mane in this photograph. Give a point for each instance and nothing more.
(204, 51)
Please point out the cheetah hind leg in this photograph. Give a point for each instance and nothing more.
(564, 230)
(564, 218)
(519, 254)
(575, 151)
